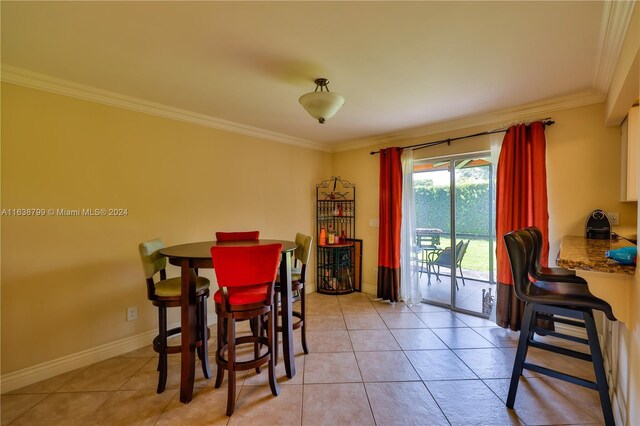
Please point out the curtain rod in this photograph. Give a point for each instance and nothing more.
(546, 121)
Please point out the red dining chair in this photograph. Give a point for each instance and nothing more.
(246, 276)
(238, 236)
(165, 293)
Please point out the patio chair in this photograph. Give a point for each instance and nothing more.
(442, 258)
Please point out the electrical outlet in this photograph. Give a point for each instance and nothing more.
(132, 313)
(614, 218)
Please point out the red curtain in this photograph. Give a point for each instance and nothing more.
(390, 219)
(521, 201)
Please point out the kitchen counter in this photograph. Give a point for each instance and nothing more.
(587, 254)
(607, 279)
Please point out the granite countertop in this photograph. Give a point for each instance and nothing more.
(588, 254)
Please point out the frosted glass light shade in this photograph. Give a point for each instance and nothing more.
(321, 105)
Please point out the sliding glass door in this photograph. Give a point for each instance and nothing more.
(455, 235)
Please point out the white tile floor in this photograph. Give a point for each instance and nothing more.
(370, 363)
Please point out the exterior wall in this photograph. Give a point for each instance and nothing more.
(67, 281)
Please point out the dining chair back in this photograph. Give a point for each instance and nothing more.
(246, 277)
(302, 255)
(165, 293)
(442, 258)
(238, 236)
(568, 303)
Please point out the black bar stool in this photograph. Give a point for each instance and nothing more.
(569, 299)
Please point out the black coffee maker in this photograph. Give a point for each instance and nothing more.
(598, 226)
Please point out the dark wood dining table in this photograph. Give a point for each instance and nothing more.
(198, 256)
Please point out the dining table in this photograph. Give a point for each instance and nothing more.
(193, 256)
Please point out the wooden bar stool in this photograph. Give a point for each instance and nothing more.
(302, 255)
(164, 294)
(246, 276)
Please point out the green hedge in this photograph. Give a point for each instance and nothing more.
(433, 208)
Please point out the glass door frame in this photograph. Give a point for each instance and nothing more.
(452, 159)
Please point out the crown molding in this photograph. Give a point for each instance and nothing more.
(34, 80)
(496, 118)
(615, 22)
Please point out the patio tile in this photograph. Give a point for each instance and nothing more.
(329, 341)
(473, 321)
(13, 406)
(387, 366)
(439, 365)
(132, 407)
(500, 337)
(340, 367)
(386, 306)
(402, 320)
(325, 322)
(403, 403)
(336, 404)
(425, 307)
(440, 320)
(461, 338)
(208, 407)
(257, 402)
(364, 322)
(73, 408)
(471, 402)
(551, 402)
(373, 340)
(417, 339)
(490, 363)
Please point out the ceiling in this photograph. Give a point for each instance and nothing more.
(243, 65)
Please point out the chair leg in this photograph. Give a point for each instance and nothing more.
(303, 314)
(598, 366)
(462, 276)
(162, 355)
(220, 339)
(272, 337)
(231, 363)
(521, 353)
(276, 303)
(257, 331)
(204, 336)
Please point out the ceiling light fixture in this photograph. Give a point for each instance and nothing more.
(321, 104)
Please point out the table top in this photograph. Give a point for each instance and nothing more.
(588, 254)
(428, 231)
(202, 249)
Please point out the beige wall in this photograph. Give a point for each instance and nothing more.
(67, 281)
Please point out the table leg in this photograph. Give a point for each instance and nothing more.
(286, 295)
(188, 327)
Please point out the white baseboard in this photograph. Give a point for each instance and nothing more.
(46, 370)
(370, 289)
(49, 369)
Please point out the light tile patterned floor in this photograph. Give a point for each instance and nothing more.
(371, 362)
